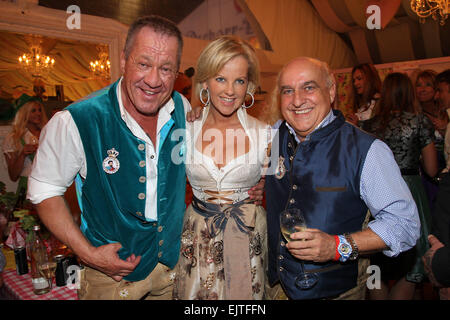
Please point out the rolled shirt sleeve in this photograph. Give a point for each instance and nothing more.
(60, 149)
(386, 194)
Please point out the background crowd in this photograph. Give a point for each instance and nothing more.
(145, 246)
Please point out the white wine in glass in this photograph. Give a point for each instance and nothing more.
(47, 270)
(291, 221)
(288, 231)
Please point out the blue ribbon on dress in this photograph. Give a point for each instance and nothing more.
(216, 216)
(236, 259)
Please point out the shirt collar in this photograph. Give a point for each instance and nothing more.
(164, 115)
(327, 120)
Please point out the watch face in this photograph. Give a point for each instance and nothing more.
(345, 249)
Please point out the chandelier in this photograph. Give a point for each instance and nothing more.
(437, 9)
(100, 69)
(35, 63)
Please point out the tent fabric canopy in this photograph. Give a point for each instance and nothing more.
(400, 38)
(295, 29)
(70, 69)
(334, 31)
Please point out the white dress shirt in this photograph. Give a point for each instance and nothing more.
(61, 156)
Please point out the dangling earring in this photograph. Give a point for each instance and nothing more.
(251, 104)
(201, 96)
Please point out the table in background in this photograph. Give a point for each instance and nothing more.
(20, 288)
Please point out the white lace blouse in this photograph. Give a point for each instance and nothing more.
(232, 181)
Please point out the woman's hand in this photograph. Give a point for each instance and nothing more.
(15, 160)
(352, 118)
(440, 125)
(194, 114)
(29, 149)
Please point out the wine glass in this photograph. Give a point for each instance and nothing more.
(47, 268)
(291, 221)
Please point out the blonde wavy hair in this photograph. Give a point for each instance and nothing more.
(217, 53)
(19, 125)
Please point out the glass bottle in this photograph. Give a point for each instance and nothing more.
(38, 254)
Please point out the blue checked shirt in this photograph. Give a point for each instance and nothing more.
(386, 194)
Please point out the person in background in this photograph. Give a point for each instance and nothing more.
(442, 96)
(2, 261)
(366, 87)
(20, 145)
(437, 258)
(425, 85)
(425, 92)
(224, 252)
(183, 84)
(337, 175)
(409, 135)
(3, 223)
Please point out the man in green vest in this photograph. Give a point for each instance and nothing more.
(119, 141)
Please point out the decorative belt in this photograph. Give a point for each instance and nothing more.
(235, 221)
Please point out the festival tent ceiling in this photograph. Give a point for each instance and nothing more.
(401, 38)
(331, 30)
(71, 66)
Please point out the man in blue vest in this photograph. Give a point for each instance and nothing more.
(118, 141)
(336, 174)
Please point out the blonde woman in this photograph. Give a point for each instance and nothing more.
(20, 145)
(223, 245)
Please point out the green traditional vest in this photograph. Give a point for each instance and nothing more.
(114, 204)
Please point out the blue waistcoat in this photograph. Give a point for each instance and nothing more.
(113, 205)
(322, 179)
